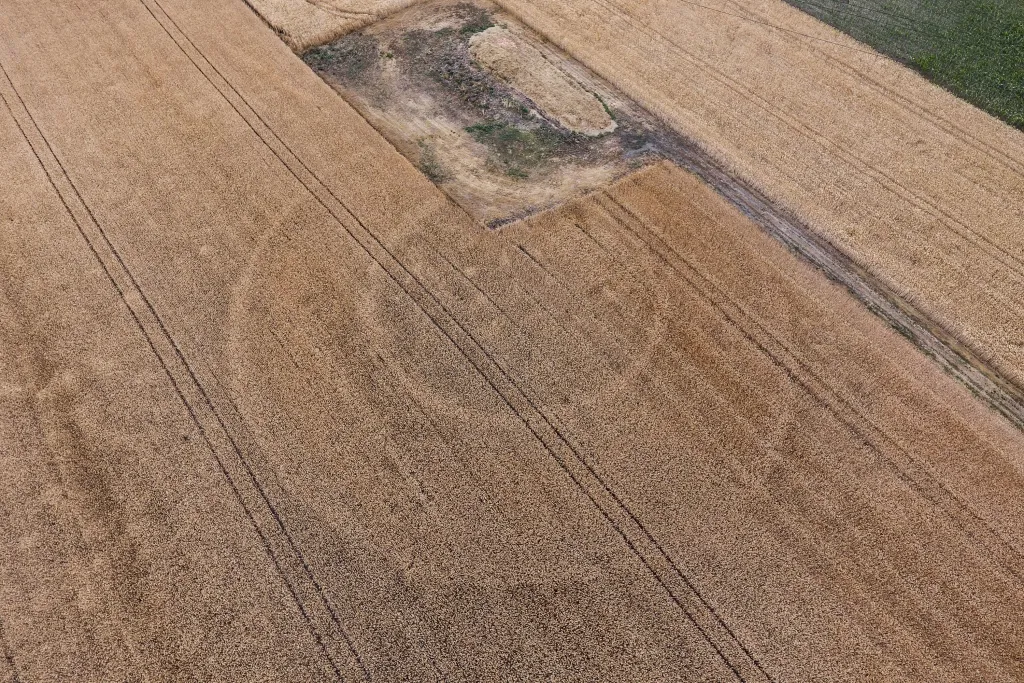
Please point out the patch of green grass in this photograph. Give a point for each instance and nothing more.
(517, 149)
(477, 130)
(607, 109)
(973, 48)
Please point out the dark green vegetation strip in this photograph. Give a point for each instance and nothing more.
(973, 48)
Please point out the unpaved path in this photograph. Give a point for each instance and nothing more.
(275, 409)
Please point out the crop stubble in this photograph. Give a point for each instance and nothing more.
(631, 438)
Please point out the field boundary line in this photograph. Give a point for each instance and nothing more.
(823, 141)
(783, 29)
(918, 477)
(288, 560)
(935, 119)
(733, 653)
(954, 355)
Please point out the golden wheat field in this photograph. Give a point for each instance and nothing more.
(280, 402)
(305, 23)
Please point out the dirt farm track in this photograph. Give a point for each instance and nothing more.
(273, 407)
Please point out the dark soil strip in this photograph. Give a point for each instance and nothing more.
(953, 355)
(890, 453)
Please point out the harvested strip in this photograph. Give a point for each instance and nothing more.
(524, 68)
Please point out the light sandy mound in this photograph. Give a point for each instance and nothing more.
(522, 66)
(306, 23)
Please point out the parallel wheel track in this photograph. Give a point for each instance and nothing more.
(287, 558)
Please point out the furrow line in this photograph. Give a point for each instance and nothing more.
(935, 118)
(288, 561)
(1008, 260)
(735, 656)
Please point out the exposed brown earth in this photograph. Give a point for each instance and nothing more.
(276, 409)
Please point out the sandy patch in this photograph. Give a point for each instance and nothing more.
(522, 66)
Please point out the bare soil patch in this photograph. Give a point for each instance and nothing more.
(503, 123)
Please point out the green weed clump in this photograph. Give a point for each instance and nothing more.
(516, 148)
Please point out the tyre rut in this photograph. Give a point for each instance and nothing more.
(908, 468)
(286, 557)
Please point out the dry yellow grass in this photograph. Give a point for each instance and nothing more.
(305, 23)
(276, 409)
(923, 189)
(557, 94)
